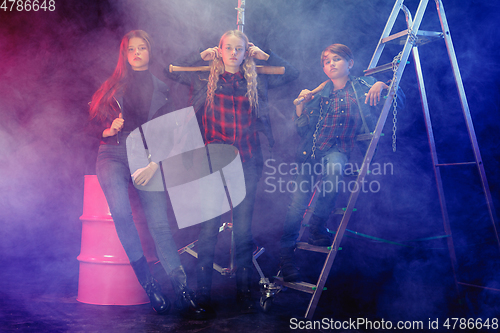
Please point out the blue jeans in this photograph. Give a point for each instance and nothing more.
(320, 174)
(242, 225)
(114, 177)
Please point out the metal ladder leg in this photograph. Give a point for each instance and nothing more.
(467, 116)
(432, 147)
(415, 33)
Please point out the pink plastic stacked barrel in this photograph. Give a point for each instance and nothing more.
(106, 276)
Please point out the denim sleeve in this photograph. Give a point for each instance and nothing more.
(302, 124)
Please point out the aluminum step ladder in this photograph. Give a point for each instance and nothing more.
(410, 38)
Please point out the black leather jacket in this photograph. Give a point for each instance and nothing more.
(160, 105)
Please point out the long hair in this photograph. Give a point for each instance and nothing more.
(103, 105)
(247, 67)
(340, 49)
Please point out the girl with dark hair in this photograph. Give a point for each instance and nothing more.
(129, 98)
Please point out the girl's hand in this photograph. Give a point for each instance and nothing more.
(375, 93)
(143, 176)
(116, 127)
(210, 54)
(256, 52)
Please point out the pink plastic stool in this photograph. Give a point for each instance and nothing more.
(106, 276)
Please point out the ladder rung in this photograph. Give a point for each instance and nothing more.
(339, 211)
(367, 136)
(396, 36)
(308, 247)
(379, 69)
(430, 34)
(364, 137)
(301, 286)
(460, 163)
(424, 37)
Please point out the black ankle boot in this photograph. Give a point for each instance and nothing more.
(289, 271)
(203, 297)
(185, 302)
(159, 302)
(243, 293)
(318, 233)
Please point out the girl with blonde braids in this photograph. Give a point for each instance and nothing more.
(231, 104)
(248, 67)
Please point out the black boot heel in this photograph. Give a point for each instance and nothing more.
(159, 302)
(185, 302)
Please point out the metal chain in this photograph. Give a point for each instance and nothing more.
(315, 135)
(413, 37)
(395, 64)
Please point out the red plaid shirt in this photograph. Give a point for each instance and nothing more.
(341, 120)
(231, 120)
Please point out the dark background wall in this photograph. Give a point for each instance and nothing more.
(52, 62)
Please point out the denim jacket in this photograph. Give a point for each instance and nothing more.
(306, 123)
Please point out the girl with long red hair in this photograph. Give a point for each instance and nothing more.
(129, 98)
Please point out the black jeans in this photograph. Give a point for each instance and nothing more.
(242, 225)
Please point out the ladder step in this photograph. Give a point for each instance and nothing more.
(379, 69)
(396, 37)
(367, 136)
(308, 247)
(301, 286)
(424, 37)
(339, 211)
(460, 163)
(364, 137)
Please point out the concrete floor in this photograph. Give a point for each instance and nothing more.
(39, 295)
(36, 300)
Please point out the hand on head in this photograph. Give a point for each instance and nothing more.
(210, 54)
(256, 52)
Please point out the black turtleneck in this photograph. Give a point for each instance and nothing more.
(137, 99)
